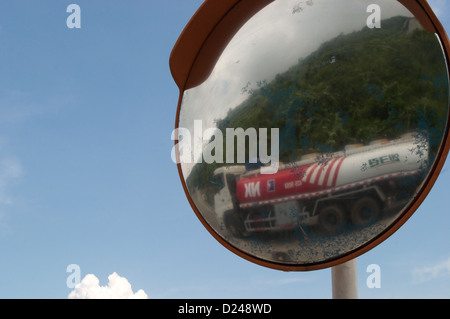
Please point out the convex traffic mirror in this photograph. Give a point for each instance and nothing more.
(309, 131)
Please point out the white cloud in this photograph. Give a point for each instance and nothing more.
(428, 273)
(117, 288)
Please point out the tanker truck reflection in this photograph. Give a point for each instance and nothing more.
(355, 187)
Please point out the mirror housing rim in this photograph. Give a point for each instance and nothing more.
(193, 58)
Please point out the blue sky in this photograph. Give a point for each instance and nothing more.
(86, 175)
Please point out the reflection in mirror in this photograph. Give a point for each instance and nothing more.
(316, 128)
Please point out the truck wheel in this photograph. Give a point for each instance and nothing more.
(331, 219)
(365, 211)
(235, 225)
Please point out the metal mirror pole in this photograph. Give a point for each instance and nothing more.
(344, 279)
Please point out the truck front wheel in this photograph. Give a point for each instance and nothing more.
(234, 225)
